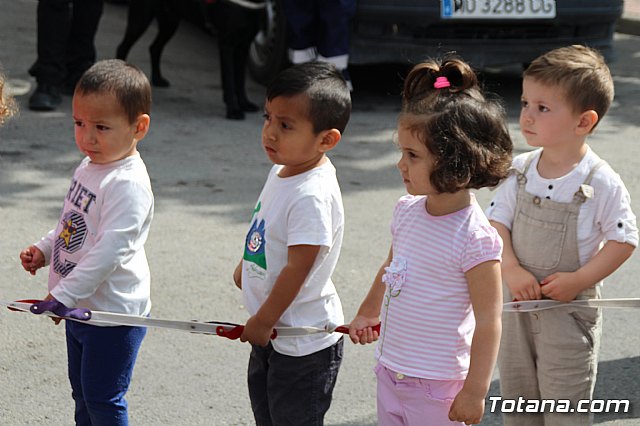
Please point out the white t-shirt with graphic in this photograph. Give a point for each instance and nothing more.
(96, 253)
(305, 209)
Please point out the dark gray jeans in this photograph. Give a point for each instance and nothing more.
(287, 390)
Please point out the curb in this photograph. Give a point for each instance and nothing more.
(628, 25)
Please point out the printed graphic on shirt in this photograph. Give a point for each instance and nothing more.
(254, 248)
(80, 196)
(254, 252)
(70, 240)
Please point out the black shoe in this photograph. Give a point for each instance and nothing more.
(45, 98)
(248, 106)
(235, 114)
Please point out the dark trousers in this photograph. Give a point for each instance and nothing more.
(101, 361)
(237, 26)
(323, 24)
(287, 390)
(66, 33)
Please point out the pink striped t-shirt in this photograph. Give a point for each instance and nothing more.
(427, 318)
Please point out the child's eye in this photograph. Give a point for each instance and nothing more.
(102, 127)
(285, 126)
(524, 104)
(542, 108)
(266, 116)
(77, 123)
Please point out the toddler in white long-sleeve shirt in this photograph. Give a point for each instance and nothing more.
(96, 252)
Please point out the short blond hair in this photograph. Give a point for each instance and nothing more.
(580, 72)
(7, 105)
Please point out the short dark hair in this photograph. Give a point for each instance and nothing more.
(328, 94)
(580, 72)
(466, 133)
(127, 82)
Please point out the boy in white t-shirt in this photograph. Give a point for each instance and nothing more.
(293, 246)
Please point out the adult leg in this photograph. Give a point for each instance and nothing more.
(81, 53)
(334, 22)
(108, 358)
(301, 29)
(246, 32)
(54, 27)
(236, 29)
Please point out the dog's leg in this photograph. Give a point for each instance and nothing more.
(139, 18)
(168, 19)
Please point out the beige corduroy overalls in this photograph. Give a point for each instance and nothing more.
(551, 354)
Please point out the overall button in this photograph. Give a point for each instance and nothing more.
(399, 376)
(536, 200)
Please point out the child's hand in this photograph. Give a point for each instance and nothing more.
(467, 408)
(32, 259)
(256, 332)
(48, 298)
(521, 283)
(562, 286)
(360, 329)
(237, 275)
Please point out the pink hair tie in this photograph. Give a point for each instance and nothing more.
(441, 83)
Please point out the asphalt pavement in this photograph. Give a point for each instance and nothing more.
(206, 173)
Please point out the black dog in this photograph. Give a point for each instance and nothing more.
(237, 23)
(141, 13)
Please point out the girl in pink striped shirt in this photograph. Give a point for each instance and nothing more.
(438, 293)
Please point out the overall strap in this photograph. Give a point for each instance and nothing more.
(522, 174)
(586, 190)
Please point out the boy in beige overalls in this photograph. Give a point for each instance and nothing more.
(566, 221)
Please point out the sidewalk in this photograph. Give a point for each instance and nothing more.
(630, 21)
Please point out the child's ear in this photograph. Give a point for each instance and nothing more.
(330, 139)
(142, 126)
(587, 121)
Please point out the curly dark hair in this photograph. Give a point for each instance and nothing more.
(464, 130)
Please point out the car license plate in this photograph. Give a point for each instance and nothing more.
(498, 9)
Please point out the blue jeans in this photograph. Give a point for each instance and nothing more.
(101, 361)
(287, 390)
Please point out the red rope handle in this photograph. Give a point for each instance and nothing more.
(32, 301)
(232, 334)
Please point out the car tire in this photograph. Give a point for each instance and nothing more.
(268, 52)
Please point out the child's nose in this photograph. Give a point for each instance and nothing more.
(89, 136)
(267, 130)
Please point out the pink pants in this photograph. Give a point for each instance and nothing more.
(411, 401)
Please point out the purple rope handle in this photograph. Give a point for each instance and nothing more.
(60, 310)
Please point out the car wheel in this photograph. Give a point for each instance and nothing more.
(268, 52)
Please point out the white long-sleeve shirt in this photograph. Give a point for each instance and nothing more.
(96, 252)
